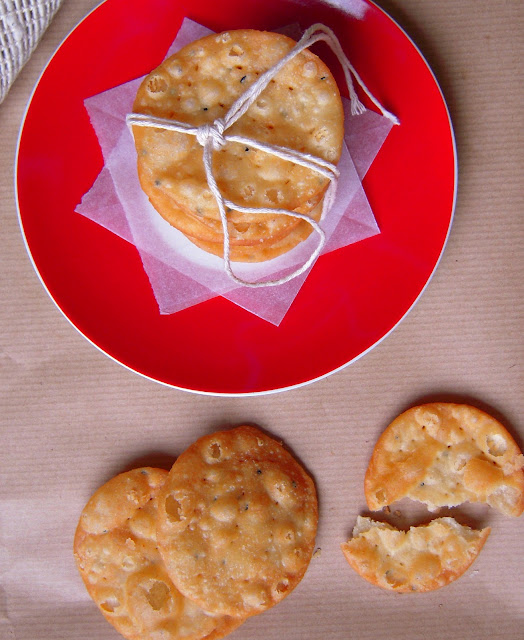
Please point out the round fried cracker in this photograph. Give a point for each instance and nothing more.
(116, 554)
(266, 250)
(266, 229)
(300, 109)
(237, 522)
(444, 454)
(422, 559)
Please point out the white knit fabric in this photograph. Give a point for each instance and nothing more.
(22, 24)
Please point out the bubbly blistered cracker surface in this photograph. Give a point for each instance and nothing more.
(424, 558)
(444, 454)
(266, 250)
(116, 553)
(237, 522)
(301, 109)
(241, 235)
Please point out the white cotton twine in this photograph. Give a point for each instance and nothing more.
(212, 137)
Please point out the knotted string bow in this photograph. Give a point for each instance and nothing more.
(213, 137)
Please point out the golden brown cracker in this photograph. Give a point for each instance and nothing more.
(264, 230)
(444, 454)
(422, 559)
(264, 250)
(237, 522)
(117, 557)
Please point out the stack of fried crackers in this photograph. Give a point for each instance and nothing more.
(191, 553)
(300, 110)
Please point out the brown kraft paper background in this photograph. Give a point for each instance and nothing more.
(71, 418)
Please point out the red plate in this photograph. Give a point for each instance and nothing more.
(353, 297)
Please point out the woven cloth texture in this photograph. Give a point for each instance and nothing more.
(22, 24)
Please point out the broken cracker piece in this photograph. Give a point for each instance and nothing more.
(422, 559)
